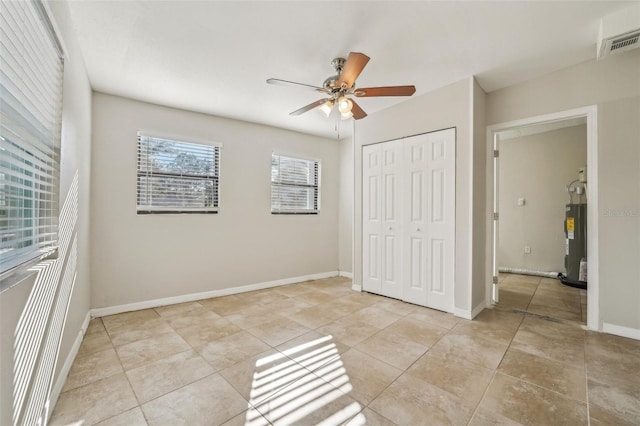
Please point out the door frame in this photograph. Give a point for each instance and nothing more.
(591, 114)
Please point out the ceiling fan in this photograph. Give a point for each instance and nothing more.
(341, 86)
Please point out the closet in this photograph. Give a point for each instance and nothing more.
(408, 218)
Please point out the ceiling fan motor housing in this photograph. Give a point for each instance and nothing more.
(331, 83)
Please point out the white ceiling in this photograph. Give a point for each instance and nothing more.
(214, 56)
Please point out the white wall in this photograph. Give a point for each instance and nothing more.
(450, 106)
(139, 258)
(75, 164)
(345, 221)
(614, 86)
(537, 167)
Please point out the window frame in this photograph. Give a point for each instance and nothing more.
(29, 147)
(317, 185)
(215, 178)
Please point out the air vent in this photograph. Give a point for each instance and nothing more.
(619, 44)
(624, 42)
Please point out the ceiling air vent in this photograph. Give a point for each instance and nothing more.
(619, 44)
(619, 31)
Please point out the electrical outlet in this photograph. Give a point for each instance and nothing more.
(527, 249)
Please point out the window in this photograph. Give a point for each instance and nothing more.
(30, 116)
(176, 176)
(294, 185)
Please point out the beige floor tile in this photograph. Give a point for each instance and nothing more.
(377, 317)
(367, 376)
(314, 297)
(393, 349)
(348, 331)
(411, 401)
(229, 350)
(417, 331)
(133, 417)
(621, 399)
(262, 375)
(494, 318)
(251, 417)
(317, 315)
(138, 330)
(152, 349)
(397, 307)
(553, 329)
(194, 319)
(224, 305)
(368, 417)
(95, 342)
(180, 310)
(528, 279)
(208, 401)
(246, 319)
(478, 350)
(432, 316)
(279, 331)
(513, 300)
(285, 308)
(483, 417)
(497, 334)
(553, 375)
(466, 380)
(94, 402)
(542, 308)
(599, 416)
(565, 350)
(313, 350)
(90, 368)
(168, 374)
(529, 404)
(309, 400)
(129, 318)
(95, 325)
(207, 331)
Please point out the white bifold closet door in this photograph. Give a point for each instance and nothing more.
(409, 219)
(382, 230)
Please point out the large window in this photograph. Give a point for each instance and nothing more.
(30, 116)
(294, 185)
(176, 176)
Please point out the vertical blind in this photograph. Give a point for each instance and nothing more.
(176, 176)
(294, 185)
(31, 72)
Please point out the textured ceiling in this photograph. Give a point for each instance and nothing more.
(214, 56)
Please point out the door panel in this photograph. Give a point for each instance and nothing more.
(392, 219)
(372, 218)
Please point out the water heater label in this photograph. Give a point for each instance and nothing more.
(570, 235)
(570, 224)
(566, 246)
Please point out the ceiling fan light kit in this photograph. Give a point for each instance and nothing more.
(342, 85)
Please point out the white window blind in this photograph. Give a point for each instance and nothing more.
(294, 185)
(176, 176)
(30, 115)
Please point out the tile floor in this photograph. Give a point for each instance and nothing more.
(543, 296)
(319, 353)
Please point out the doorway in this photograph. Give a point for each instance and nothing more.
(522, 282)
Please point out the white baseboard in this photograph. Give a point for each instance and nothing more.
(346, 274)
(466, 314)
(112, 310)
(356, 287)
(618, 330)
(66, 367)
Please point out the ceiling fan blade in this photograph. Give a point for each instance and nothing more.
(357, 112)
(352, 68)
(385, 91)
(309, 107)
(279, 82)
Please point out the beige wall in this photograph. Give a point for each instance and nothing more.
(345, 221)
(139, 258)
(479, 195)
(75, 160)
(450, 106)
(537, 167)
(614, 86)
